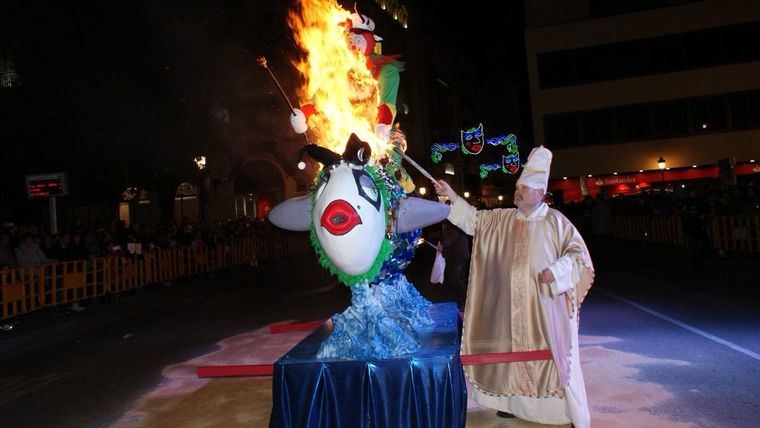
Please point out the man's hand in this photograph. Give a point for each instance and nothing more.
(546, 277)
(443, 189)
(298, 121)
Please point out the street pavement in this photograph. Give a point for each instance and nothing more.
(661, 346)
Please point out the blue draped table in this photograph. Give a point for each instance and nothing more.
(424, 389)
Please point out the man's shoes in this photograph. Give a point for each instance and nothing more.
(504, 415)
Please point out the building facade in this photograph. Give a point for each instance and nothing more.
(617, 86)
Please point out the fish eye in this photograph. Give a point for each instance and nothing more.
(367, 188)
(368, 185)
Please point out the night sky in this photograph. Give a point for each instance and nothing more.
(127, 92)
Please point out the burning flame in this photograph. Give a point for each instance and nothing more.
(336, 79)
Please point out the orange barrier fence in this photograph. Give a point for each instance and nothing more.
(728, 233)
(656, 230)
(736, 233)
(26, 289)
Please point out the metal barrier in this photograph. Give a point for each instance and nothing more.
(727, 233)
(736, 233)
(657, 230)
(26, 289)
(18, 294)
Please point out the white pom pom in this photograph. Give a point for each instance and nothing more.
(302, 165)
(298, 121)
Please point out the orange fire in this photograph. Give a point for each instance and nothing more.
(336, 79)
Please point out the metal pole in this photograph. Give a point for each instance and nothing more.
(415, 164)
(263, 62)
(53, 216)
(202, 193)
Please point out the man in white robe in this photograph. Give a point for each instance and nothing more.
(529, 273)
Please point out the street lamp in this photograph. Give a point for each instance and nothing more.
(661, 163)
(200, 162)
(466, 195)
(423, 191)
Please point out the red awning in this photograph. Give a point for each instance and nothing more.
(622, 184)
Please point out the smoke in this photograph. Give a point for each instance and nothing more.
(229, 99)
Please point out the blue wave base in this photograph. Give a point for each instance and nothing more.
(383, 321)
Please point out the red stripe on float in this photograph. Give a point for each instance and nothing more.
(506, 357)
(234, 371)
(287, 327)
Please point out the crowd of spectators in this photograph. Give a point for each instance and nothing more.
(22, 245)
(694, 203)
(711, 199)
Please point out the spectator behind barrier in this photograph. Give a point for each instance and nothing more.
(7, 258)
(29, 252)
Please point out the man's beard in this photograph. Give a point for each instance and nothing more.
(522, 204)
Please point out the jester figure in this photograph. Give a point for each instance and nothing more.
(386, 69)
(364, 229)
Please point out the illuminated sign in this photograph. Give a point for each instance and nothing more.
(615, 180)
(47, 185)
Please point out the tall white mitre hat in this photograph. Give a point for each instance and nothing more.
(535, 173)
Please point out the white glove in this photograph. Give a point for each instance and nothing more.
(383, 131)
(298, 121)
(442, 188)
